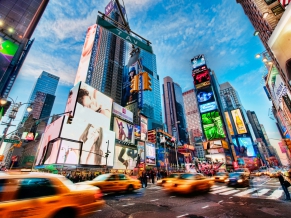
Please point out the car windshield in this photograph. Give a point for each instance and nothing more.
(239, 170)
(221, 174)
(232, 175)
(174, 175)
(101, 177)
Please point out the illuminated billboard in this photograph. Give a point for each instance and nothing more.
(208, 107)
(72, 99)
(205, 95)
(238, 121)
(212, 125)
(228, 121)
(69, 152)
(137, 131)
(92, 37)
(150, 154)
(143, 128)
(128, 74)
(246, 147)
(124, 158)
(212, 144)
(122, 112)
(7, 52)
(141, 151)
(201, 79)
(198, 61)
(123, 130)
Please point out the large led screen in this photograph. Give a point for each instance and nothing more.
(198, 61)
(212, 125)
(52, 132)
(52, 152)
(238, 121)
(228, 121)
(72, 99)
(208, 107)
(92, 35)
(212, 144)
(137, 131)
(205, 95)
(69, 152)
(150, 154)
(201, 79)
(128, 74)
(123, 130)
(143, 128)
(7, 52)
(141, 151)
(246, 147)
(125, 158)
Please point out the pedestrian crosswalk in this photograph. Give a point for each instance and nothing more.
(247, 192)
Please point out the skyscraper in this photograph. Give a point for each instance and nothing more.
(192, 115)
(230, 98)
(174, 109)
(18, 21)
(44, 91)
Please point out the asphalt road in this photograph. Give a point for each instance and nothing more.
(263, 199)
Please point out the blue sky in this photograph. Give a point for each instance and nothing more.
(178, 30)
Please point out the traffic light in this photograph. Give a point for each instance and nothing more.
(134, 84)
(70, 119)
(146, 80)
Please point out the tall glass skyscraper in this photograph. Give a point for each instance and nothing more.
(46, 83)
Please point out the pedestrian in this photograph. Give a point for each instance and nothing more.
(283, 183)
(153, 176)
(145, 179)
(158, 175)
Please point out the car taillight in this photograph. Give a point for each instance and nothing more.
(98, 195)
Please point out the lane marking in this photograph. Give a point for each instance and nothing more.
(276, 194)
(172, 196)
(261, 192)
(125, 205)
(205, 207)
(221, 187)
(229, 192)
(155, 200)
(221, 190)
(246, 192)
(182, 215)
(220, 201)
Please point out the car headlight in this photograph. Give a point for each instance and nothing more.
(227, 180)
(221, 178)
(240, 180)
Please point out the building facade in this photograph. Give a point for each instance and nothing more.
(19, 20)
(192, 115)
(174, 110)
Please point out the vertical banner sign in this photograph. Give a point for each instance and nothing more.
(140, 97)
(143, 128)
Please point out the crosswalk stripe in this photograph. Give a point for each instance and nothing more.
(276, 194)
(246, 192)
(216, 188)
(261, 192)
(230, 192)
(221, 190)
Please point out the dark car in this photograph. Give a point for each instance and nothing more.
(238, 179)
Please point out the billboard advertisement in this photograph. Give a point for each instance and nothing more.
(205, 95)
(137, 132)
(201, 79)
(198, 61)
(72, 99)
(128, 75)
(141, 151)
(229, 125)
(7, 52)
(92, 35)
(212, 144)
(69, 152)
(122, 112)
(52, 132)
(208, 107)
(238, 121)
(143, 128)
(52, 152)
(124, 158)
(123, 130)
(212, 125)
(150, 153)
(246, 147)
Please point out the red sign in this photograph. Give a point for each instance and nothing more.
(14, 158)
(235, 164)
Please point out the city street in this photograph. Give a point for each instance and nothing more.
(264, 198)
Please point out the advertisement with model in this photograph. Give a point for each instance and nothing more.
(244, 147)
(143, 128)
(128, 75)
(238, 121)
(212, 125)
(125, 158)
(150, 154)
(123, 130)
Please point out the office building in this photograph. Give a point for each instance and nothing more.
(229, 96)
(192, 115)
(174, 110)
(18, 20)
(44, 94)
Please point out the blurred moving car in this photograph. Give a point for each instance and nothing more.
(256, 173)
(263, 170)
(245, 171)
(111, 182)
(238, 179)
(37, 195)
(171, 178)
(189, 183)
(273, 173)
(220, 176)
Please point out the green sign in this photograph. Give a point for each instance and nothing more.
(212, 125)
(11, 141)
(124, 35)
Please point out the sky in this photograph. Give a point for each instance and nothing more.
(178, 31)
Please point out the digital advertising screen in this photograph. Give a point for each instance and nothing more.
(137, 132)
(161, 157)
(150, 154)
(212, 144)
(212, 125)
(201, 79)
(122, 112)
(246, 147)
(198, 61)
(208, 107)
(205, 95)
(141, 151)
(123, 130)
(7, 52)
(52, 132)
(69, 152)
(228, 121)
(238, 121)
(124, 158)
(52, 152)
(92, 33)
(72, 99)
(143, 128)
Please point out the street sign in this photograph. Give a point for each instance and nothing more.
(11, 141)
(124, 35)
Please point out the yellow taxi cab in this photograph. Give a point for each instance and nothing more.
(112, 182)
(189, 183)
(36, 195)
(220, 176)
(171, 178)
